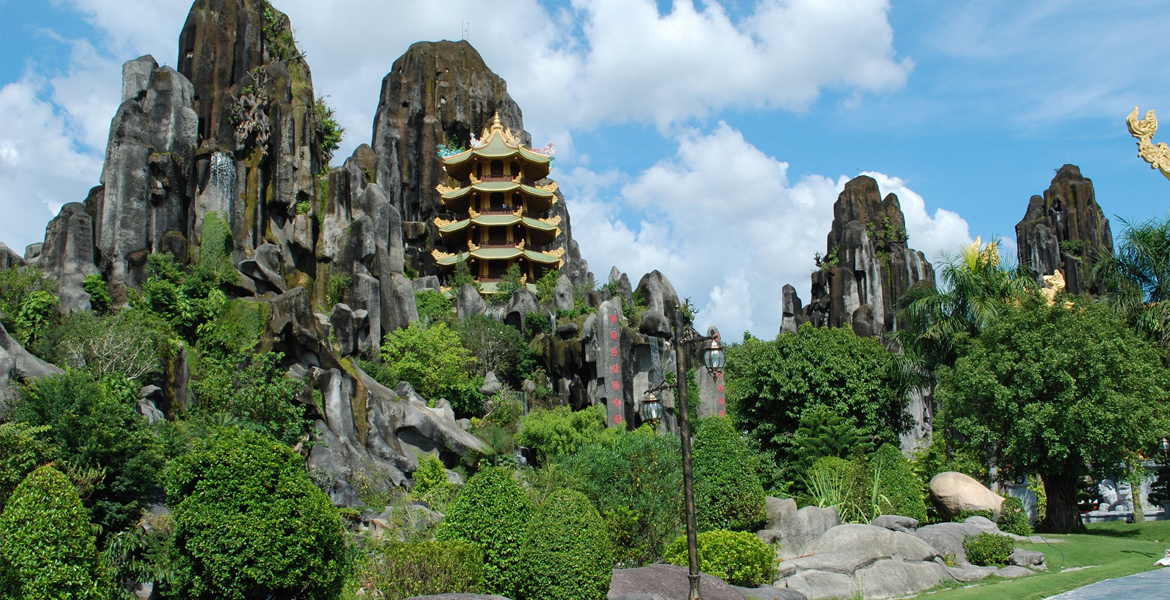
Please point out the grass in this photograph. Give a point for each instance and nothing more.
(1107, 551)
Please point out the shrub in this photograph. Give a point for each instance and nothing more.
(837, 482)
(823, 432)
(537, 323)
(497, 347)
(434, 307)
(1013, 518)
(636, 485)
(430, 474)
(46, 547)
(249, 523)
(566, 553)
(988, 549)
(16, 284)
(899, 490)
(492, 511)
(546, 286)
(132, 343)
(737, 557)
(21, 451)
(99, 295)
(94, 425)
(252, 389)
(965, 514)
(432, 359)
(404, 569)
(338, 292)
(726, 485)
(561, 431)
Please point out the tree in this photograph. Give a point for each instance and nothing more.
(249, 523)
(496, 346)
(21, 451)
(727, 489)
(772, 384)
(252, 389)
(1059, 391)
(1137, 279)
(432, 359)
(46, 547)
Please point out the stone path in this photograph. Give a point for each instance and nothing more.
(1151, 585)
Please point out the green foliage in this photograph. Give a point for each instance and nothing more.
(1013, 518)
(899, 489)
(497, 347)
(988, 549)
(1137, 279)
(395, 570)
(726, 485)
(433, 360)
(772, 384)
(492, 511)
(249, 523)
(509, 284)
(16, 284)
(252, 388)
(737, 557)
(434, 307)
(537, 323)
(947, 454)
(430, 474)
(94, 425)
(46, 547)
(141, 554)
(823, 432)
(329, 131)
(99, 295)
(1073, 247)
(833, 481)
(561, 431)
(1051, 390)
(22, 449)
(236, 328)
(460, 276)
(636, 485)
(216, 247)
(184, 299)
(566, 553)
(132, 343)
(338, 292)
(38, 311)
(547, 285)
(965, 514)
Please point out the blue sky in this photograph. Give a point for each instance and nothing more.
(705, 139)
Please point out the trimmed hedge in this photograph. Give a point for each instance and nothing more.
(405, 570)
(988, 549)
(727, 487)
(737, 557)
(900, 491)
(567, 553)
(249, 523)
(46, 547)
(1013, 518)
(492, 511)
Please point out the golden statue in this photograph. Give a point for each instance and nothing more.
(1158, 155)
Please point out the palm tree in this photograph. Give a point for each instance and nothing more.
(975, 289)
(1137, 279)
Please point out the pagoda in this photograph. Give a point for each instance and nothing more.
(497, 215)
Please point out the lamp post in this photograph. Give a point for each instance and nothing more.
(1165, 445)
(652, 410)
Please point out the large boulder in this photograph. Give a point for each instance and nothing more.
(797, 529)
(954, 492)
(16, 365)
(666, 582)
(67, 255)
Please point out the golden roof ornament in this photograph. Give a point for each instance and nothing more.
(442, 189)
(559, 252)
(1056, 285)
(1158, 155)
(554, 221)
(549, 187)
(438, 255)
(441, 223)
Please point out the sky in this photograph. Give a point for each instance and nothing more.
(708, 140)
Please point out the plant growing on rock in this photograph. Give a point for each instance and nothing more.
(737, 557)
(492, 511)
(726, 485)
(249, 523)
(407, 569)
(433, 360)
(566, 553)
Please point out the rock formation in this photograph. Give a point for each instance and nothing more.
(954, 492)
(1065, 229)
(16, 365)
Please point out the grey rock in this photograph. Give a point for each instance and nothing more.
(897, 578)
(33, 251)
(67, 255)
(491, 385)
(567, 331)
(658, 293)
(896, 523)
(654, 324)
(16, 365)
(430, 282)
(868, 540)
(399, 308)
(1012, 572)
(947, 538)
(770, 536)
(666, 582)
(800, 527)
(469, 302)
(459, 597)
(1026, 558)
(822, 584)
(9, 258)
(523, 303)
(621, 284)
(341, 320)
(263, 267)
(769, 592)
(793, 315)
(148, 398)
(563, 294)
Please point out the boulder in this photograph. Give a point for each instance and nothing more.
(563, 294)
(458, 597)
(341, 322)
(263, 268)
(896, 523)
(654, 324)
(792, 313)
(666, 582)
(770, 592)
(148, 399)
(491, 385)
(16, 364)
(469, 302)
(621, 285)
(798, 528)
(430, 282)
(67, 255)
(523, 303)
(1027, 558)
(658, 293)
(9, 258)
(953, 492)
(947, 538)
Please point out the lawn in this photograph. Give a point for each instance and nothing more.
(1107, 551)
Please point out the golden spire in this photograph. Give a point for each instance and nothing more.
(1158, 155)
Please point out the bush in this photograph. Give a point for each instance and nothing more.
(404, 570)
(94, 425)
(988, 549)
(726, 485)
(546, 286)
(99, 294)
(492, 511)
(1013, 518)
(737, 557)
(21, 451)
(899, 490)
(432, 359)
(249, 523)
(132, 343)
(537, 323)
(252, 389)
(497, 347)
(965, 514)
(430, 474)
(636, 485)
(46, 547)
(561, 431)
(837, 482)
(434, 307)
(566, 553)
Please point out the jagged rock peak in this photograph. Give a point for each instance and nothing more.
(1065, 229)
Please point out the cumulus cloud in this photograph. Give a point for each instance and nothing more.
(723, 222)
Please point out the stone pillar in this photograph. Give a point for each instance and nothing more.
(609, 363)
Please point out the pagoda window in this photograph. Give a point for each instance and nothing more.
(497, 201)
(497, 168)
(497, 235)
(497, 269)
(514, 168)
(479, 170)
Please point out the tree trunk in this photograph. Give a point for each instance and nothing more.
(1062, 514)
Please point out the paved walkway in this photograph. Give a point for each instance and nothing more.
(1151, 585)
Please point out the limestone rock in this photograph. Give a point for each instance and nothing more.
(16, 364)
(953, 492)
(469, 302)
(1027, 558)
(1065, 229)
(666, 582)
(263, 268)
(621, 284)
(563, 294)
(9, 258)
(523, 302)
(658, 293)
(67, 255)
(654, 324)
(459, 597)
(947, 538)
(341, 320)
(896, 523)
(430, 282)
(148, 399)
(800, 527)
(793, 313)
(769, 592)
(491, 385)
